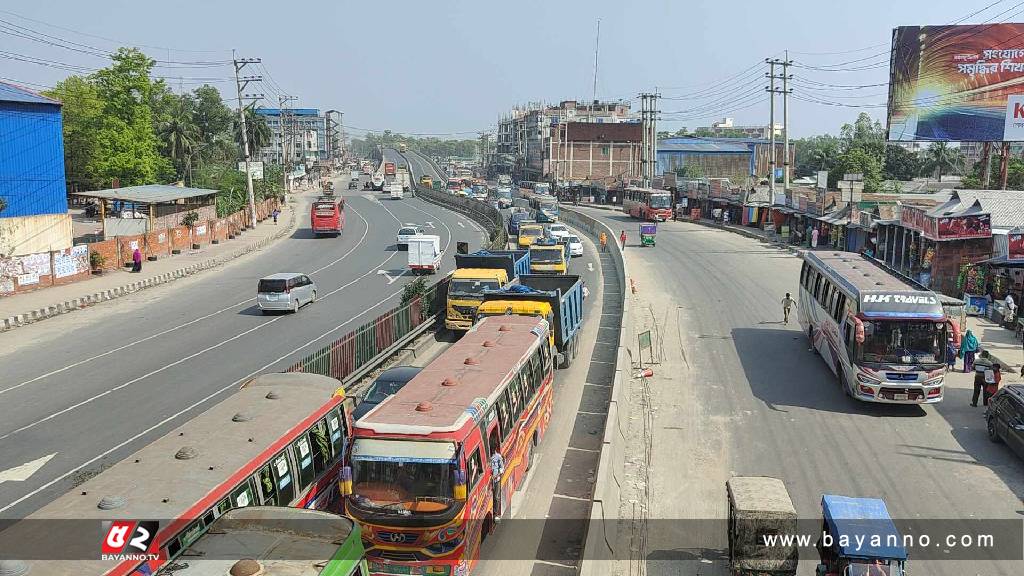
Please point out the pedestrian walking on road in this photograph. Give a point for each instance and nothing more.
(276, 213)
(814, 238)
(951, 354)
(787, 305)
(137, 261)
(604, 242)
(992, 387)
(968, 348)
(983, 375)
(622, 239)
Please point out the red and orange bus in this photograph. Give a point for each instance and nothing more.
(327, 216)
(422, 486)
(280, 440)
(647, 204)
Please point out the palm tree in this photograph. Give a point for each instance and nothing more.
(180, 136)
(941, 158)
(257, 131)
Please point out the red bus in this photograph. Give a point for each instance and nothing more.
(647, 204)
(421, 481)
(327, 216)
(280, 440)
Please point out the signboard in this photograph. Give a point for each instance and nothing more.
(897, 304)
(947, 227)
(1016, 244)
(957, 83)
(822, 179)
(255, 168)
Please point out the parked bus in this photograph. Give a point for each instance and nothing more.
(883, 337)
(280, 440)
(421, 483)
(327, 216)
(276, 540)
(647, 204)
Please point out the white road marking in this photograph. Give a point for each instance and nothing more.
(429, 224)
(391, 279)
(590, 266)
(93, 398)
(186, 324)
(461, 225)
(25, 471)
(192, 406)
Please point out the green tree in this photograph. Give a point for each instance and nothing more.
(214, 121)
(180, 136)
(866, 134)
(127, 146)
(900, 163)
(941, 159)
(82, 113)
(859, 161)
(815, 153)
(256, 129)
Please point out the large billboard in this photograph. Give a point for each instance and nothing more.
(957, 83)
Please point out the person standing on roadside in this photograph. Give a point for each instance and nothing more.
(276, 213)
(622, 239)
(787, 305)
(814, 238)
(983, 375)
(604, 242)
(968, 348)
(136, 260)
(951, 353)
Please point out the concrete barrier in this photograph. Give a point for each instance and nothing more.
(603, 540)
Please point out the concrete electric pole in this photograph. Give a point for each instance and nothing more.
(785, 91)
(287, 138)
(240, 84)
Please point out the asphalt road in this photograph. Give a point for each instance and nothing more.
(736, 392)
(95, 386)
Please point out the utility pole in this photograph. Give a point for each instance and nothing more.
(986, 165)
(597, 47)
(240, 84)
(785, 91)
(648, 136)
(287, 141)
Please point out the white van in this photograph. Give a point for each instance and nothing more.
(424, 254)
(285, 292)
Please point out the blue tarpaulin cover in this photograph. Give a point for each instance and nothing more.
(866, 525)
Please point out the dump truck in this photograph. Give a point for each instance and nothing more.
(557, 299)
(548, 256)
(475, 273)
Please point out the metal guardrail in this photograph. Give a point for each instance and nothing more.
(355, 354)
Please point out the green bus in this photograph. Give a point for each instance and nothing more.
(274, 540)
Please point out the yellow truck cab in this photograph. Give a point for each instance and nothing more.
(465, 292)
(529, 233)
(547, 258)
(519, 308)
(426, 181)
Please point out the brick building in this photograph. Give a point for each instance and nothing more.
(584, 151)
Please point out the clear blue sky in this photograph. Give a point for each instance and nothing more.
(453, 66)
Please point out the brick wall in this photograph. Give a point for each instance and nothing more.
(174, 219)
(157, 243)
(179, 238)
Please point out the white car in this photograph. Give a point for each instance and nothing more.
(575, 246)
(558, 231)
(406, 232)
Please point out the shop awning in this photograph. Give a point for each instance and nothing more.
(1003, 262)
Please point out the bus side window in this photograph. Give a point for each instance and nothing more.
(302, 452)
(244, 495)
(546, 353)
(268, 489)
(320, 445)
(282, 470)
(337, 428)
(538, 374)
(840, 306)
(817, 286)
(803, 274)
(474, 466)
(504, 420)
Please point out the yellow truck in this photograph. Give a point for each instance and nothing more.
(529, 232)
(557, 299)
(475, 273)
(548, 257)
(426, 181)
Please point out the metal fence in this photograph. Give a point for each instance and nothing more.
(351, 355)
(484, 214)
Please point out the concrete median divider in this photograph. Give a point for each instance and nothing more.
(603, 541)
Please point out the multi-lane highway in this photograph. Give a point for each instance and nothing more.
(90, 388)
(737, 392)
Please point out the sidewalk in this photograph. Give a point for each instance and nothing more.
(29, 307)
(1001, 342)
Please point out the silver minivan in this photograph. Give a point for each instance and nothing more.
(285, 291)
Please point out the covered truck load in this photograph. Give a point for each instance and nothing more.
(559, 299)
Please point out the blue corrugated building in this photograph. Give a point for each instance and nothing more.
(35, 217)
(737, 159)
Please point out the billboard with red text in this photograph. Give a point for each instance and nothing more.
(957, 83)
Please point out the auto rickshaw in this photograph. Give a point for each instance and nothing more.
(849, 521)
(760, 505)
(647, 233)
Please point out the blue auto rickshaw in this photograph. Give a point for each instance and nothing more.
(859, 539)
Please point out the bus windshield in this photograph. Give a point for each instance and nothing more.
(402, 476)
(904, 342)
(661, 201)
